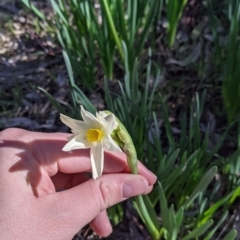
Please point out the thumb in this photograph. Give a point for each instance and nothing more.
(81, 204)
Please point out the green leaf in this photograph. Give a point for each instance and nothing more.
(163, 207)
(179, 217)
(170, 164)
(197, 232)
(106, 9)
(77, 93)
(84, 100)
(219, 223)
(207, 178)
(156, 7)
(151, 211)
(53, 101)
(231, 235)
(59, 12)
(34, 9)
(171, 141)
(173, 231)
(213, 208)
(69, 68)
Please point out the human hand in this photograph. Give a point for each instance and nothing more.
(33, 172)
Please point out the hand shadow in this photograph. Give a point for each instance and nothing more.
(31, 159)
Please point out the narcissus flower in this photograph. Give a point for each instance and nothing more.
(94, 133)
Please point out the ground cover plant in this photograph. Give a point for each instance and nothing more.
(169, 71)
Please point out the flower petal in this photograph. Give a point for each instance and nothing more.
(101, 115)
(110, 123)
(90, 119)
(73, 144)
(76, 125)
(97, 159)
(111, 145)
(81, 138)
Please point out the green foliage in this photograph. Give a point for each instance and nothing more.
(231, 83)
(228, 54)
(91, 35)
(34, 9)
(174, 10)
(185, 181)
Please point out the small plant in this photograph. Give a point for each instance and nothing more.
(92, 33)
(228, 53)
(231, 83)
(174, 10)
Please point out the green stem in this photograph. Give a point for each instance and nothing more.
(113, 29)
(124, 140)
(172, 35)
(155, 234)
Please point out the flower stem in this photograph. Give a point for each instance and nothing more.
(124, 140)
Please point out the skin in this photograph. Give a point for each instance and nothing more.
(47, 193)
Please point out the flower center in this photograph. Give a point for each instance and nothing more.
(94, 135)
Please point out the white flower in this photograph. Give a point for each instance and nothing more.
(94, 133)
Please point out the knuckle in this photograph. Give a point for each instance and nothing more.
(107, 194)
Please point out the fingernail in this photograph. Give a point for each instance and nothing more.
(134, 186)
(153, 176)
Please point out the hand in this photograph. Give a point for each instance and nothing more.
(46, 193)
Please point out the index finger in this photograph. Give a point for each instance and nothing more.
(79, 160)
(47, 148)
(114, 162)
